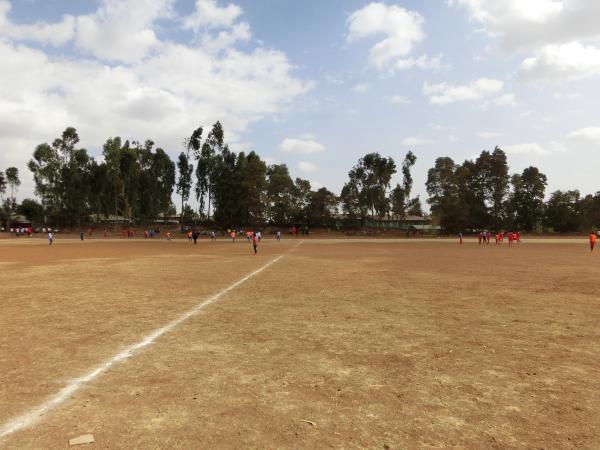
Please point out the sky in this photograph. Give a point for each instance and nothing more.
(314, 84)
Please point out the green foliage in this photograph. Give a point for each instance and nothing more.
(397, 201)
(527, 198)
(322, 207)
(239, 187)
(2, 183)
(12, 178)
(32, 210)
(472, 195)
(62, 175)
(136, 181)
(400, 195)
(366, 191)
(589, 207)
(492, 179)
(184, 184)
(414, 207)
(443, 187)
(563, 211)
(409, 160)
(208, 159)
(280, 189)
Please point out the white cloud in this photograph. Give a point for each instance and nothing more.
(422, 62)
(489, 134)
(306, 167)
(587, 134)
(532, 23)
(402, 30)
(495, 14)
(534, 148)
(559, 33)
(444, 93)
(361, 88)
(531, 147)
(398, 100)
(121, 30)
(45, 33)
(440, 127)
(162, 92)
(506, 100)
(226, 38)
(300, 146)
(568, 61)
(124, 30)
(209, 15)
(414, 141)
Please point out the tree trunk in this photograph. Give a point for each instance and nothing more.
(208, 215)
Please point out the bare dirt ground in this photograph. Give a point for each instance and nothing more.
(380, 344)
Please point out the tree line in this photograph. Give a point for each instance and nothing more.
(135, 182)
(481, 194)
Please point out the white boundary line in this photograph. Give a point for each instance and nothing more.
(35, 414)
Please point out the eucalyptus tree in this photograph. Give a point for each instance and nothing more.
(156, 182)
(31, 209)
(400, 195)
(590, 212)
(443, 189)
(2, 186)
(527, 198)
(2, 192)
(301, 194)
(350, 201)
(62, 175)
(254, 185)
(280, 189)
(369, 181)
(563, 211)
(121, 159)
(12, 179)
(76, 177)
(493, 185)
(414, 207)
(225, 189)
(407, 181)
(45, 166)
(322, 208)
(184, 184)
(209, 158)
(398, 201)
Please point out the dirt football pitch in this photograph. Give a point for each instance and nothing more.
(398, 344)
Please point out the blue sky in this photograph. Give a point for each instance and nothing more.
(313, 84)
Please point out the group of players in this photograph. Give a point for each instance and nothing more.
(251, 236)
(485, 237)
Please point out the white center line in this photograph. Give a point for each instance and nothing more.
(35, 414)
